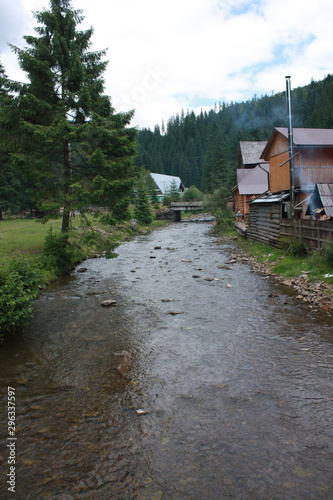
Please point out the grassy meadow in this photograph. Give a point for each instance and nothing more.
(24, 236)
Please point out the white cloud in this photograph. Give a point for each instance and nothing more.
(163, 56)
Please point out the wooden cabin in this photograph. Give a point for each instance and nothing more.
(252, 176)
(313, 162)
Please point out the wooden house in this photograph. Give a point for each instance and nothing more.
(313, 162)
(252, 176)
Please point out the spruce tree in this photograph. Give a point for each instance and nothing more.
(143, 212)
(73, 146)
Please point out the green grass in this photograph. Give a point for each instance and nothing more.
(24, 237)
(287, 265)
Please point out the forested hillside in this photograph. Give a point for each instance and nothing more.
(203, 150)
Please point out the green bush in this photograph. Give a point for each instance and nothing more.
(192, 194)
(57, 254)
(295, 247)
(18, 288)
(217, 205)
(328, 251)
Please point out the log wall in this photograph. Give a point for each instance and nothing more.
(264, 223)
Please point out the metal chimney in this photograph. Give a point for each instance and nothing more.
(291, 154)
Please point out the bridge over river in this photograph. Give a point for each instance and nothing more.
(184, 206)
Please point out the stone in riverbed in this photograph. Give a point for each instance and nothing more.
(82, 270)
(109, 303)
(122, 363)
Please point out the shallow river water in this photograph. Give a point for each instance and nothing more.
(236, 388)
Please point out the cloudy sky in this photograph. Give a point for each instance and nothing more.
(165, 56)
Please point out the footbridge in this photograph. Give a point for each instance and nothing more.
(184, 206)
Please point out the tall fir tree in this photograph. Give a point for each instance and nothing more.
(143, 212)
(217, 166)
(73, 146)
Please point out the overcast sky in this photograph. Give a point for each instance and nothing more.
(165, 56)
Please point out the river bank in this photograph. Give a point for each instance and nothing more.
(316, 293)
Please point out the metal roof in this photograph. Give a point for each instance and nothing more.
(271, 198)
(306, 137)
(309, 136)
(256, 182)
(163, 182)
(251, 151)
(326, 196)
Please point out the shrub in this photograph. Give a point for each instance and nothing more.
(295, 247)
(328, 251)
(18, 288)
(217, 205)
(57, 255)
(192, 194)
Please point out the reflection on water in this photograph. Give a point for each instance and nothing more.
(236, 387)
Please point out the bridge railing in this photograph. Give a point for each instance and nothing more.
(186, 205)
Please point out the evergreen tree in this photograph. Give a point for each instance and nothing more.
(173, 192)
(143, 212)
(13, 195)
(217, 166)
(73, 146)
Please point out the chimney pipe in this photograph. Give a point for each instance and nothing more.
(291, 141)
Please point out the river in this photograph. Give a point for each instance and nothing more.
(233, 377)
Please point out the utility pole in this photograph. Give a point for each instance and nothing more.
(291, 154)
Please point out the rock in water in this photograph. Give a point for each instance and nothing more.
(108, 303)
(122, 362)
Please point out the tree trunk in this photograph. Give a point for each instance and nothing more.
(1, 218)
(67, 183)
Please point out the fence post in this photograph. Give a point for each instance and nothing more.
(318, 236)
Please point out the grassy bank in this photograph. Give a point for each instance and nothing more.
(26, 237)
(33, 254)
(283, 262)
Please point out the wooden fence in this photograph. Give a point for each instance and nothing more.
(314, 232)
(264, 223)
